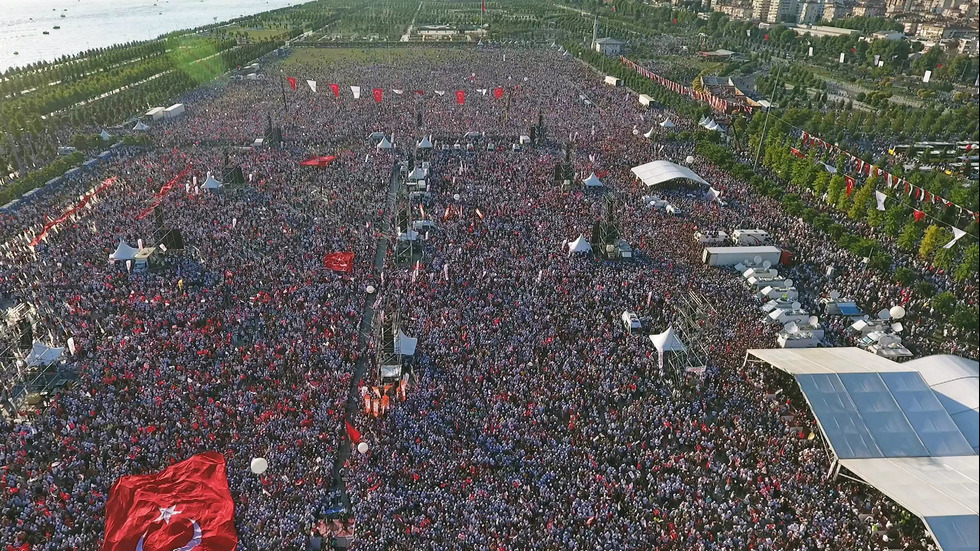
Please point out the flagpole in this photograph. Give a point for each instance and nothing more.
(765, 124)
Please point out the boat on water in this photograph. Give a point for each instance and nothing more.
(56, 27)
(45, 32)
(62, 16)
(16, 53)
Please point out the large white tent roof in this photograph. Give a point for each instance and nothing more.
(890, 425)
(580, 245)
(592, 181)
(658, 172)
(667, 341)
(124, 252)
(956, 381)
(41, 354)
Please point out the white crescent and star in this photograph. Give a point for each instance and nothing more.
(165, 514)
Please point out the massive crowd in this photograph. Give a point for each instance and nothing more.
(533, 419)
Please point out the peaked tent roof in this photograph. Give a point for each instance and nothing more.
(649, 133)
(592, 181)
(580, 245)
(140, 125)
(425, 143)
(105, 135)
(211, 182)
(124, 252)
(667, 341)
(658, 172)
(384, 143)
(667, 124)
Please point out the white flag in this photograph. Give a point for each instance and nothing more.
(399, 92)
(440, 92)
(842, 57)
(927, 76)
(881, 199)
(957, 234)
(445, 271)
(811, 51)
(482, 91)
(356, 90)
(312, 84)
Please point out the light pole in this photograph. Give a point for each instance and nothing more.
(765, 124)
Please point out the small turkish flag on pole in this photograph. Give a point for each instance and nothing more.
(292, 82)
(378, 94)
(186, 506)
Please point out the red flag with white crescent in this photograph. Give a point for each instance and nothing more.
(460, 97)
(185, 506)
(498, 92)
(378, 94)
(336, 90)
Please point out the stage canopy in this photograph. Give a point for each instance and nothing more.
(406, 345)
(892, 427)
(658, 172)
(211, 182)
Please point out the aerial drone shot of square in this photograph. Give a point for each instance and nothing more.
(489, 275)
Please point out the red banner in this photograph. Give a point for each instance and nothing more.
(319, 161)
(498, 93)
(919, 215)
(186, 506)
(336, 90)
(460, 97)
(798, 153)
(67, 214)
(378, 94)
(158, 197)
(339, 262)
(292, 82)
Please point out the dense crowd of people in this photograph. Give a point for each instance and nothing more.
(533, 418)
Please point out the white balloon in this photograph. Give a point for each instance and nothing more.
(370, 289)
(259, 465)
(456, 197)
(897, 312)
(689, 159)
(362, 447)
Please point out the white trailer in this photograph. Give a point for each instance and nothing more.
(613, 81)
(174, 111)
(730, 256)
(156, 113)
(750, 237)
(645, 100)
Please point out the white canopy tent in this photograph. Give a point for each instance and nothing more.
(43, 355)
(376, 136)
(211, 182)
(658, 172)
(140, 126)
(580, 245)
(713, 195)
(667, 124)
(649, 133)
(123, 252)
(385, 144)
(592, 181)
(418, 174)
(106, 136)
(425, 143)
(667, 341)
(891, 427)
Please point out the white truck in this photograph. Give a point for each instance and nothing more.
(613, 81)
(730, 256)
(174, 111)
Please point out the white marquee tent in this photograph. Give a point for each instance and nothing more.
(385, 144)
(592, 181)
(425, 143)
(667, 124)
(123, 252)
(658, 172)
(667, 341)
(892, 426)
(580, 245)
(140, 125)
(211, 182)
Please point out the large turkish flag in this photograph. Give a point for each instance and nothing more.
(186, 506)
(339, 262)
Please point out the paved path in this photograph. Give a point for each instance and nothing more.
(361, 365)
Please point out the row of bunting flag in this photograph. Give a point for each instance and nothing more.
(378, 93)
(893, 182)
(716, 103)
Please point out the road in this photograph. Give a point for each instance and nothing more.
(411, 26)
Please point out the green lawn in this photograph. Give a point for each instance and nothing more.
(256, 34)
